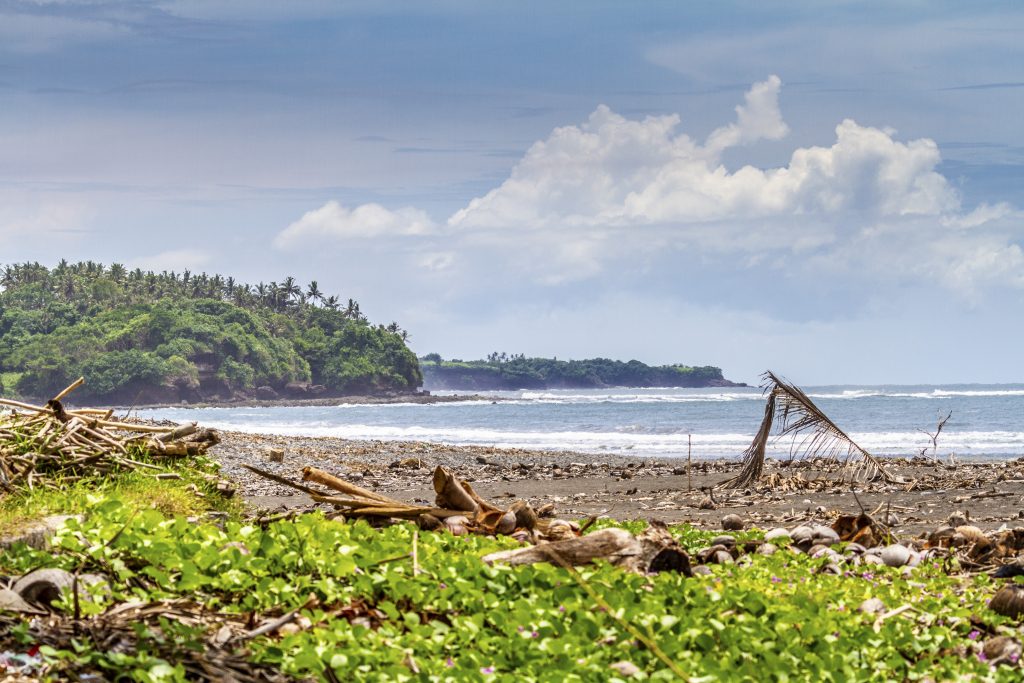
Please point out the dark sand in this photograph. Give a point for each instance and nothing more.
(623, 487)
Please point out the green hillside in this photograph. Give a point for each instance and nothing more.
(143, 337)
(504, 372)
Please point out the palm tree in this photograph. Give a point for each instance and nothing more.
(313, 292)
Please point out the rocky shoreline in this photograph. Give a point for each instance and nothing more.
(582, 484)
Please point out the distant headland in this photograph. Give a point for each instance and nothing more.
(499, 371)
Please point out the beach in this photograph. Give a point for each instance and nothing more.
(990, 494)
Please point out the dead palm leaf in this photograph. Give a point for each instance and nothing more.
(813, 433)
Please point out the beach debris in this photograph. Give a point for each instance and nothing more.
(814, 435)
(458, 508)
(653, 550)
(733, 523)
(274, 454)
(49, 446)
(1008, 601)
(1001, 650)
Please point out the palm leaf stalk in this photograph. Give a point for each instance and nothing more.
(814, 435)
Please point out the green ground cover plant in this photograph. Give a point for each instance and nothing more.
(373, 610)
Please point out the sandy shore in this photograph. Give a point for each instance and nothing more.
(583, 484)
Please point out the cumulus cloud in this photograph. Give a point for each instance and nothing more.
(334, 221)
(614, 190)
(615, 171)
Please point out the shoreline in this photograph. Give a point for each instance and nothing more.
(360, 399)
(632, 487)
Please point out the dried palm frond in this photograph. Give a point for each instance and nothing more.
(814, 434)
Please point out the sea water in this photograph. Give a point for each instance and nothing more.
(987, 420)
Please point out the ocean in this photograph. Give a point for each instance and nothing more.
(987, 420)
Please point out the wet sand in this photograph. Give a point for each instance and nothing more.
(624, 487)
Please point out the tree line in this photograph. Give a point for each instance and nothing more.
(165, 336)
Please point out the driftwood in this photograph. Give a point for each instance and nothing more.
(458, 509)
(51, 445)
(651, 551)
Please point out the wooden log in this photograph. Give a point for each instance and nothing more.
(320, 477)
(450, 492)
(179, 432)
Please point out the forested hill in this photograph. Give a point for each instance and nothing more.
(142, 337)
(501, 372)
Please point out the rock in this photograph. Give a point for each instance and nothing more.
(701, 569)
(274, 454)
(733, 523)
(776, 534)
(767, 549)
(38, 535)
(707, 504)
(871, 558)
(895, 555)
(265, 393)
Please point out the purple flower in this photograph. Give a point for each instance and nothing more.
(443, 585)
(561, 608)
(982, 657)
(776, 579)
(973, 635)
(487, 670)
(520, 629)
(449, 663)
(535, 634)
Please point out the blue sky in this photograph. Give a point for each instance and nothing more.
(830, 190)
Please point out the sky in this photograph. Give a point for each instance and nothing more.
(831, 190)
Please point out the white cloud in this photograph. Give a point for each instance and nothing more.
(614, 171)
(334, 221)
(619, 192)
(758, 119)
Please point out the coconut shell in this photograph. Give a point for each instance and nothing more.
(1001, 649)
(972, 533)
(1008, 601)
(732, 523)
(895, 555)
